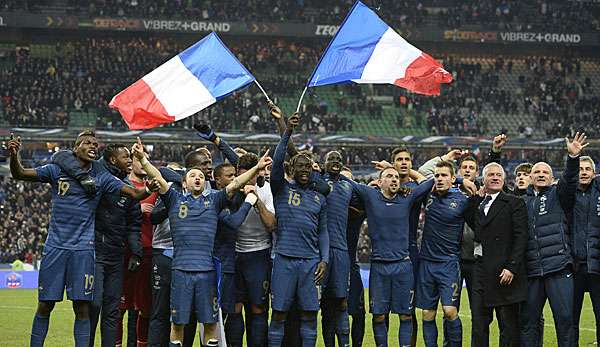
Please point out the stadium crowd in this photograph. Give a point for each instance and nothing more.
(47, 91)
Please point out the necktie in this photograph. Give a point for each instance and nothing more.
(484, 203)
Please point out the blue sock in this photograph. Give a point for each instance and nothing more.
(381, 334)
(308, 330)
(454, 329)
(405, 332)
(358, 329)
(276, 330)
(259, 328)
(39, 329)
(234, 329)
(342, 328)
(430, 333)
(174, 344)
(328, 322)
(81, 332)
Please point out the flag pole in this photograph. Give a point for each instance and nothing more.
(262, 90)
(301, 97)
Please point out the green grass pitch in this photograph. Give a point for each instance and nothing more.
(18, 306)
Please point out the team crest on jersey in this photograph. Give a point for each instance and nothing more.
(453, 204)
(122, 201)
(317, 199)
(206, 203)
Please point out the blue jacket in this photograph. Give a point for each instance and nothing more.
(586, 227)
(549, 212)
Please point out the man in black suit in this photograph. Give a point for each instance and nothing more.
(500, 275)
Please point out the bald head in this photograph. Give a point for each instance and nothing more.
(541, 175)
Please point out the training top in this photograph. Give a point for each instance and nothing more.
(389, 219)
(252, 236)
(72, 221)
(301, 213)
(444, 224)
(193, 223)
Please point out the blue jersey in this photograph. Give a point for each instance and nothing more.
(73, 217)
(389, 222)
(301, 214)
(193, 223)
(338, 201)
(444, 223)
(229, 223)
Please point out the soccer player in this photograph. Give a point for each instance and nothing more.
(302, 247)
(549, 260)
(586, 244)
(334, 304)
(253, 262)
(193, 217)
(356, 296)
(439, 276)
(68, 257)
(141, 279)
(391, 282)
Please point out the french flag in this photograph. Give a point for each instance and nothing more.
(366, 50)
(187, 83)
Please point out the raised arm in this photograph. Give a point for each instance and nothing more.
(422, 188)
(277, 171)
(496, 150)
(242, 179)
(428, 168)
(281, 127)
(17, 170)
(567, 184)
(153, 173)
(206, 133)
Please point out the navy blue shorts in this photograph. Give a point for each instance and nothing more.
(438, 281)
(337, 281)
(228, 292)
(293, 280)
(65, 268)
(194, 290)
(253, 276)
(356, 295)
(391, 287)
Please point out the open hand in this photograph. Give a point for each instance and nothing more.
(576, 146)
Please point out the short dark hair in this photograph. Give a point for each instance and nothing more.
(112, 150)
(445, 163)
(187, 170)
(297, 156)
(193, 158)
(247, 161)
(470, 158)
(397, 150)
(218, 171)
(84, 133)
(524, 167)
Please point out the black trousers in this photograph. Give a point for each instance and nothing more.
(107, 295)
(160, 324)
(482, 317)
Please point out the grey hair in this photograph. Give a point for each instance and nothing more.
(589, 160)
(488, 166)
